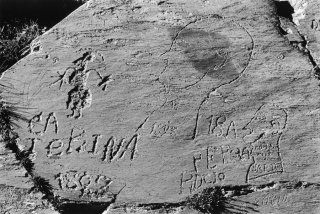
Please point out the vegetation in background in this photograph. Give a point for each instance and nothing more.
(22, 21)
(15, 38)
(210, 200)
(218, 200)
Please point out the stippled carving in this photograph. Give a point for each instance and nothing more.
(80, 95)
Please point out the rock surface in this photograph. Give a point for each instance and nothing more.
(142, 104)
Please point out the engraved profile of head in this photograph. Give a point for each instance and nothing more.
(207, 51)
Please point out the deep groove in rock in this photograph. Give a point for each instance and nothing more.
(284, 9)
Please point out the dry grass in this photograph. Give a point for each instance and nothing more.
(15, 38)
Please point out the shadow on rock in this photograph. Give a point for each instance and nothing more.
(45, 12)
(83, 208)
(208, 52)
(214, 200)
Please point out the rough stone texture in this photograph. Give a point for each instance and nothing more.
(15, 186)
(19, 201)
(13, 171)
(146, 102)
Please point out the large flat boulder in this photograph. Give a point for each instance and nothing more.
(150, 102)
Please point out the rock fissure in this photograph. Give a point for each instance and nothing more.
(299, 40)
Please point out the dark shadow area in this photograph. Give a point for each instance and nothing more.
(21, 21)
(206, 51)
(82, 208)
(214, 200)
(284, 9)
(45, 12)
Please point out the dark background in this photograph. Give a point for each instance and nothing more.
(45, 12)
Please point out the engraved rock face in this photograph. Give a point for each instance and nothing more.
(151, 102)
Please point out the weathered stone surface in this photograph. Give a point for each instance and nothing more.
(149, 102)
(15, 200)
(13, 171)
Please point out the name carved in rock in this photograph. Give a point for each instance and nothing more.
(108, 149)
(254, 148)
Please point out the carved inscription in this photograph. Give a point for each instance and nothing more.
(260, 158)
(274, 200)
(39, 127)
(161, 129)
(254, 147)
(202, 175)
(219, 126)
(193, 181)
(315, 25)
(85, 184)
(107, 149)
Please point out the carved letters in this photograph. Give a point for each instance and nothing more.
(109, 150)
(37, 127)
(315, 25)
(192, 181)
(253, 148)
(203, 174)
(161, 129)
(274, 200)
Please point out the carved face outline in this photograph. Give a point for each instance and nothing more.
(206, 51)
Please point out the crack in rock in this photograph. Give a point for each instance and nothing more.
(297, 39)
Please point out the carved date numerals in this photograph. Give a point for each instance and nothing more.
(91, 186)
